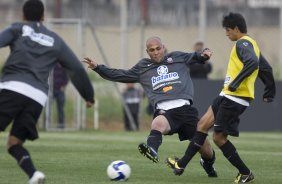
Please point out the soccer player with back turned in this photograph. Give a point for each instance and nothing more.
(245, 64)
(35, 50)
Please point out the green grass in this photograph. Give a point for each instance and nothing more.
(82, 158)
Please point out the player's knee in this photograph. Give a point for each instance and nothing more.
(202, 126)
(218, 139)
(156, 125)
(161, 124)
(12, 141)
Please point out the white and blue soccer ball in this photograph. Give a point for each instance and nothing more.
(118, 171)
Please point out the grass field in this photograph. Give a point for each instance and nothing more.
(82, 158)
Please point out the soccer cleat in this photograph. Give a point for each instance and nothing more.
(37, 178)
(240, 178)
(208, 168)
(172, 163)
(148, 152)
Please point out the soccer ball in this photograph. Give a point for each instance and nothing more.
(118, 171)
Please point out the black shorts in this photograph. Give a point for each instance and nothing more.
(183, 120)
(227, 114)
(20, 110)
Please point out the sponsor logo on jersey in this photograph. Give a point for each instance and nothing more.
(227, 79)
(245, 44)
(167, 88)
(40, 38)
(169, 60)
(164, 75)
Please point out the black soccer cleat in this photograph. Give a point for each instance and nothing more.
(172, 163)
(148, 152)
(208, 167)
(240, 178)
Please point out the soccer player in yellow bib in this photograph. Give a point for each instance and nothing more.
(245, 64)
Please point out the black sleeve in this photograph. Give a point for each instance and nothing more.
(6, 37)
(194, 57)
(76, 73)
(247, 56)
(118, 75)
(266, 76)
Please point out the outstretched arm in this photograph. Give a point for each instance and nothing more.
(199, 57)
(115, 75)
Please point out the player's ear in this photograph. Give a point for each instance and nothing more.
(237, 29)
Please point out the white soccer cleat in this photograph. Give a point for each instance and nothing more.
(37, 178)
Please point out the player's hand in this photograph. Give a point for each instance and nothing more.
(91, 63)
(206, 53)
(89, 104)
(268, 99)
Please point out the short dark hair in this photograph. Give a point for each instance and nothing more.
(234, 19)
(199, 43)
(33, 10)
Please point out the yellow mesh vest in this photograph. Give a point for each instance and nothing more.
(235, 65)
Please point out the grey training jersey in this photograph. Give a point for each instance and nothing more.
(167, 80)
(34, 52)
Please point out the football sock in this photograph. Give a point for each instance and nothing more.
(230, 152)
(23, 158)
(154, 140)
(209, 160)
(194, 146)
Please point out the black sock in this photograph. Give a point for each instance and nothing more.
(154, 140)
(229, 151)
(194, 146)
(209, 160)
(23, 158)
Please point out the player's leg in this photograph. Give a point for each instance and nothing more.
(208, 159)
(16, 150)
(199, 138)
(160, 126)
(232, 155)
(227, 124)
(199, 142)
(24, 127)
(10, 107)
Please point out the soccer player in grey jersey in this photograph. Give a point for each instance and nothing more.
(168, 85)
(24, 81)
